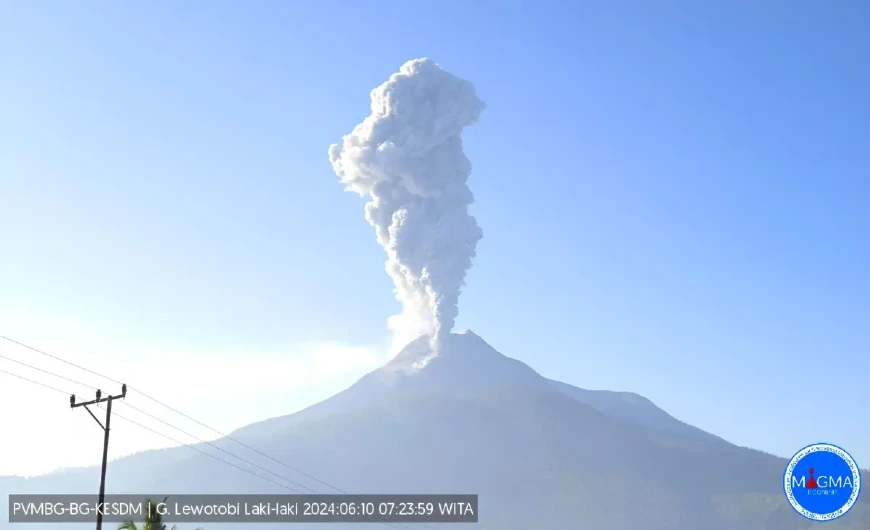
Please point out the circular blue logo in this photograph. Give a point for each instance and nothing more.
(822, 482)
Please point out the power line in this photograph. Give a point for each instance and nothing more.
(59, 359)
(22, 363)
(179, 442)
(143, 394)
(36, 382)
(189, 446)
(246, 446)
(220, 449)
(228, 437)
(155, 418)
(155, 400)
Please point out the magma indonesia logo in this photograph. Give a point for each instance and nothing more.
(822, 482)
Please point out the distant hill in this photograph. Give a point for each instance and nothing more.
(540, 453)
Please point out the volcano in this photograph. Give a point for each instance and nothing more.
(466, 366)
(541, 454)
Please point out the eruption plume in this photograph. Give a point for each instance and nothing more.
(407, 158)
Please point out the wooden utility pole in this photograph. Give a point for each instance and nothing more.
(108, 400)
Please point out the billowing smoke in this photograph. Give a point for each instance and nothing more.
(407, 158)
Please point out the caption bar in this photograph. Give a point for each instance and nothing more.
(246, 508)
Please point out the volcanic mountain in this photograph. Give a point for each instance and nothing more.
(541, 454)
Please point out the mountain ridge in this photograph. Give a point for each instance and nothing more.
(468, 356)
(540, 453)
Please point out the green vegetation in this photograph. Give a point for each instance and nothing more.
(153, 520)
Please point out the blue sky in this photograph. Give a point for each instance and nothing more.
(674, 198)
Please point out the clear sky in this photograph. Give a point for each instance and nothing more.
(675, 200)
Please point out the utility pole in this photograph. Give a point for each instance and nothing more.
(108, 400)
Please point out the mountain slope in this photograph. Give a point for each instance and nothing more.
(633, 408)
(542, 455)
(469, 363)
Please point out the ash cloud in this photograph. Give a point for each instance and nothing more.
(406, 158)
